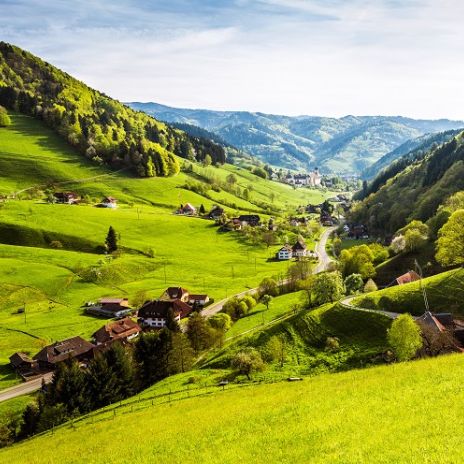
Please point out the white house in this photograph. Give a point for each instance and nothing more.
(155, 313)
(285, 253)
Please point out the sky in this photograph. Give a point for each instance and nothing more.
(313, 57)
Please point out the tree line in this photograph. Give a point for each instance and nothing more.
(100, 128)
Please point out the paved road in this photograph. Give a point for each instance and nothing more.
(346, 302)
(324, 258)
(24, 388)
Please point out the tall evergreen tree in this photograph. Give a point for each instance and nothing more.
(111, 241)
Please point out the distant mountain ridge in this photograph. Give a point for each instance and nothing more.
(410, 149)
(340, 145)
(412, 187)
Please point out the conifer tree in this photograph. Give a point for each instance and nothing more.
(111, 241)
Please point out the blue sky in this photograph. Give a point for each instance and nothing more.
(320, 57)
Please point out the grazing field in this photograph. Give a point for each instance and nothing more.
(445, 293)
(361, 340)
(259, 315)
(160, 248)
(376, 415)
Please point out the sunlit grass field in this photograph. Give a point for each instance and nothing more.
(445, 293)
(379, 415)
(186, 251)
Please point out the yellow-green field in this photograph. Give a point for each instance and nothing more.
(186, 251)
(404, 413)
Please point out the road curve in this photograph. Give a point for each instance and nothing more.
(324, 258)
(346, 303)
(25, 388)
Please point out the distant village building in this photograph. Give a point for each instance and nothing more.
(216, 212)
(68, 198)
(251, 220)
(110, 307)
(187, 210)
(175, 293)
(155, 313)
(299, 250)
(313, 179)
(23, 364)
(123, 330)
(109, 202)
(71, 348)
(285, 253)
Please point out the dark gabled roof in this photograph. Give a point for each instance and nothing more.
(299, 245)
(176, 292)
(429, 319)
(249, 218)
(159, 309)
(19, 358)
(116, 330)
(60, 351)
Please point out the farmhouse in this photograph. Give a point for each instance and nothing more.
(410, 276)
(155, 313)
(23, 364)
(299, 250)
(122, 330)
(198, 300)
(285, 253)
(216, 212)
(69, 198)
(71, 348)
(175, 293)
(110, 307)
(187, 210)
(251, 220)
(109, 202)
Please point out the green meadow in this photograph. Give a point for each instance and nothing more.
(445, 293)
(160, 249)
(376, 415)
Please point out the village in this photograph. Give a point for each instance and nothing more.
(176, 303)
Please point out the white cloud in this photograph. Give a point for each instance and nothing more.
(329, 57)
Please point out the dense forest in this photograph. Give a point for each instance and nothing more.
(100, 128)
(412, 188)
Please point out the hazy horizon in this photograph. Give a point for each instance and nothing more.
(289, 57)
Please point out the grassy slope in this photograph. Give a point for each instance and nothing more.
(376, 415)
(362, 338)
(189, 250)
(445, 292)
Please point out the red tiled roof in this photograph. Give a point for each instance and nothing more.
(410, 276)
(116, 330)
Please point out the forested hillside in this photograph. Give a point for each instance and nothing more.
(342, 145)
(413, 188)
(100, 128)
(410, 149)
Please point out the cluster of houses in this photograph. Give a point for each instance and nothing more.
(72, 198)
(175, 302)
(298, 250)
(217, 213)
(313, 179)
(356, 231)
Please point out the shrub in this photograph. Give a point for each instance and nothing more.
(370, 286)
(404, 336)
(248, 362)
